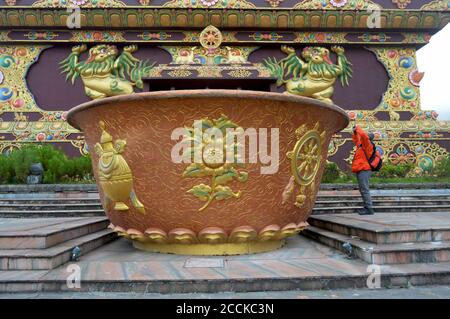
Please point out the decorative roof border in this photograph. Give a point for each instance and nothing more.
(241, 37)
(277, 18)
(434, 5)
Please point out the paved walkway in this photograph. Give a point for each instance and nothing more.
(429, 292)
(301, 257)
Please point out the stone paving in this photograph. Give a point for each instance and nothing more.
(302, 264)
(428, 292)
(300, 257)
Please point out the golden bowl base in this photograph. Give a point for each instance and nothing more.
(212, 249)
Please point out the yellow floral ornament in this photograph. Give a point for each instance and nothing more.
(215, 158)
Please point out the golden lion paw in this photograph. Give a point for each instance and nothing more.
(79, 48)
(130, 48)
(337, 49)
(287, 50)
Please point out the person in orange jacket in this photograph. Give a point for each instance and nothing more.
(361, 166)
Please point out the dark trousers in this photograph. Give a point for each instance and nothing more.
(363, 184)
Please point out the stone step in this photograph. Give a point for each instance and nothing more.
(44, 233)
(380, 254)
(383, 197)
(398, 276)
(381, 202)
(49, 206)
(382, 209)
(51, 213)
(49, 258)
(385, 232)
(44, 201)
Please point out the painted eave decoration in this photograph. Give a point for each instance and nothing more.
(274, 14)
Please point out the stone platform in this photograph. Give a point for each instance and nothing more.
(389, 238)
(45, 243)
(301, 265)
(411, 244)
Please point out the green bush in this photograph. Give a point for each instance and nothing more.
(442, 168)
(58, 168)
(21, 161)
(331, 173)
(6, 169)
(393, 171)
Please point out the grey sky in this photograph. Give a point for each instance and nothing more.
(434, 60)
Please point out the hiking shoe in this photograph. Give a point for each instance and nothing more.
(365, 211)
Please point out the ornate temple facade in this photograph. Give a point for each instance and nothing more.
(359, 55)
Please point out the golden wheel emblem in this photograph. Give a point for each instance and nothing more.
(306, 159)
(210, 38)
(306, 155)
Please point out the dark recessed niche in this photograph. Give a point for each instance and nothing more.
(49, 87)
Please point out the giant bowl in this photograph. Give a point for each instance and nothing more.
(217, 204)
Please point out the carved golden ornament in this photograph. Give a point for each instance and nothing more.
(300, 198)
(214, 154)
(289, 230)
(79, 3)
(274, 3)
(394, 116)
(211, 240)
(179, 73)
(15, 61)
(401, 4)
(212, 235)
(236, 55)
(185, 56)
(135, 234)
(307, 154)
(437, 5)
(103, 73)
(210, 37)
(240, 73)
(305, 162)
(334, 4)
(315, 75)
(402, 93)
(196, 4)
(115, 176)
(182, 236)
(271, 232)
(243, 234)
(156, 235)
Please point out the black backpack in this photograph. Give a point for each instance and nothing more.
(375, 160)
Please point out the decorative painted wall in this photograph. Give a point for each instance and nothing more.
(377, 83)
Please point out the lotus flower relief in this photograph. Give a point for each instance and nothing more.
(212, 155)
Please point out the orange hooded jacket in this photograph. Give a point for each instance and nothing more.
(362, 142)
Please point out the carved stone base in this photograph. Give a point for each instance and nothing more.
(212, 249)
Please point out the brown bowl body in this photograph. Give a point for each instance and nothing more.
(160, 205)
